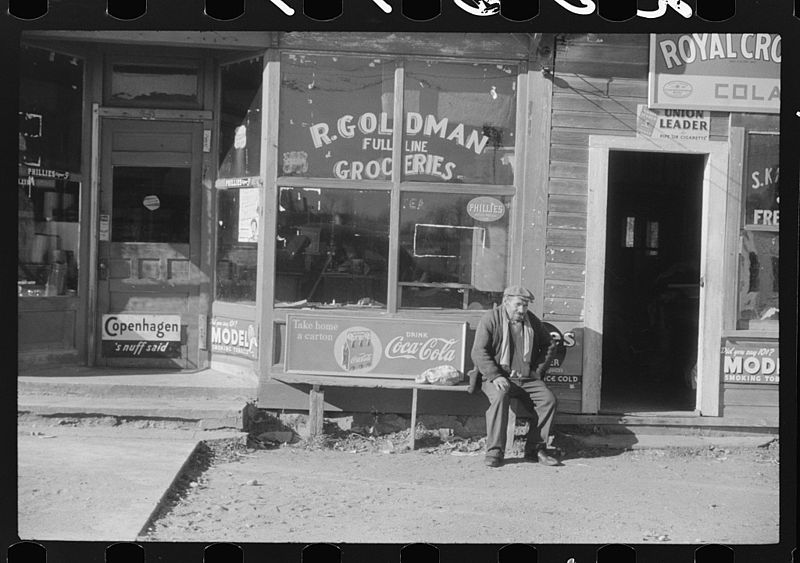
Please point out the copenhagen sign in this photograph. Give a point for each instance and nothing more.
(141, 336)
(371, 347)
(715, 71)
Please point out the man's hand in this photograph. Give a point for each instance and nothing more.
(501, 383)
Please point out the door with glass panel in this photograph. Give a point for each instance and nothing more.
(149, 249)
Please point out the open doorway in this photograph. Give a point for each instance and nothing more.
(652, 274)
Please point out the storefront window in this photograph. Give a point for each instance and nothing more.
(453, 250)
(49, 184)
(50, 113)
(758, 280)
(332, 247)
(337, 127)
(240, 119)
(239, 190)
(170, 84)
(237, 244)
(758, 307)
(336, 117)
(460, 122)
(151, 204)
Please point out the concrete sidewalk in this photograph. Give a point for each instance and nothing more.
(97, 484)
(211, 398)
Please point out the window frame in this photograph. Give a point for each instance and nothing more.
(226, 305)
(112, 59)
(740, 130)
(78, 176)
(397, 187)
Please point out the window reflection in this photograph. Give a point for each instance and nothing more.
(336, 117)
(237, 244)
(332, 247)
(460, 122)
(458, 246)
(758, 280)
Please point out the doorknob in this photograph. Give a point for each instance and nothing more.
(702, 281)
(102, 269)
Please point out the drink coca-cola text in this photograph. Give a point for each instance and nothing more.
(434, 349)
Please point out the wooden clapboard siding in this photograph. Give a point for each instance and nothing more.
(578, 153)
(611, 123)
(555, 272)
(571, 308)
(567, 186)
(569, 170)
(598, 82)
(566, 255)
(559, 289)
(580, 84)
(566, 220)
(746, 395)
(566, 237)
(567, 204)
(579, 137)
(567, 101)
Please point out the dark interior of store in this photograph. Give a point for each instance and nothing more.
(651, 294)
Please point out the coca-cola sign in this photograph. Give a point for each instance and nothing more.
(440, 349)
(374, 347)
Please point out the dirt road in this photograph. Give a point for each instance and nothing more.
(441, 495)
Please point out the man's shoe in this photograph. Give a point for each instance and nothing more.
(493, 461)
(545, 459)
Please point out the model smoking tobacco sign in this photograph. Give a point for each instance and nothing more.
(141, 336)
(398, 348)
(750, 361)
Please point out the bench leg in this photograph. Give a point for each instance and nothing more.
(412, 436)
(316, 407)
(510, 430)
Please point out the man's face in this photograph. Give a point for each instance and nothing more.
(515, 307)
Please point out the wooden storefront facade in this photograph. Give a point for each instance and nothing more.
(637, 246)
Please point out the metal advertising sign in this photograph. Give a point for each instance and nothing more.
(128, 335)
(234, 337)
(750, 361)
(675, 124)
(392, 348)
(715, 72)
(567, 367)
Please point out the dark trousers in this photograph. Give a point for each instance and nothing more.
(531, 399)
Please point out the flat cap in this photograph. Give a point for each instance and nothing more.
(518, 291)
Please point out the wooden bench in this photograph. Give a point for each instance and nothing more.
(316, 397)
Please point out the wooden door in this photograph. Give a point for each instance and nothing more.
(149, 244)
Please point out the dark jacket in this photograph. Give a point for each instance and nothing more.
(486, 348)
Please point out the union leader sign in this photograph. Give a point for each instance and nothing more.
(371, 347)
(715, 71)
(127, 335)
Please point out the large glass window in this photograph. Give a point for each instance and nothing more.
(332, 247)
(455, 249)
(758, 307)
(49, 184)
(337, 130)
(168, 84)
(239, 188)
(151, 204)
(336, 117)
(460, 122)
